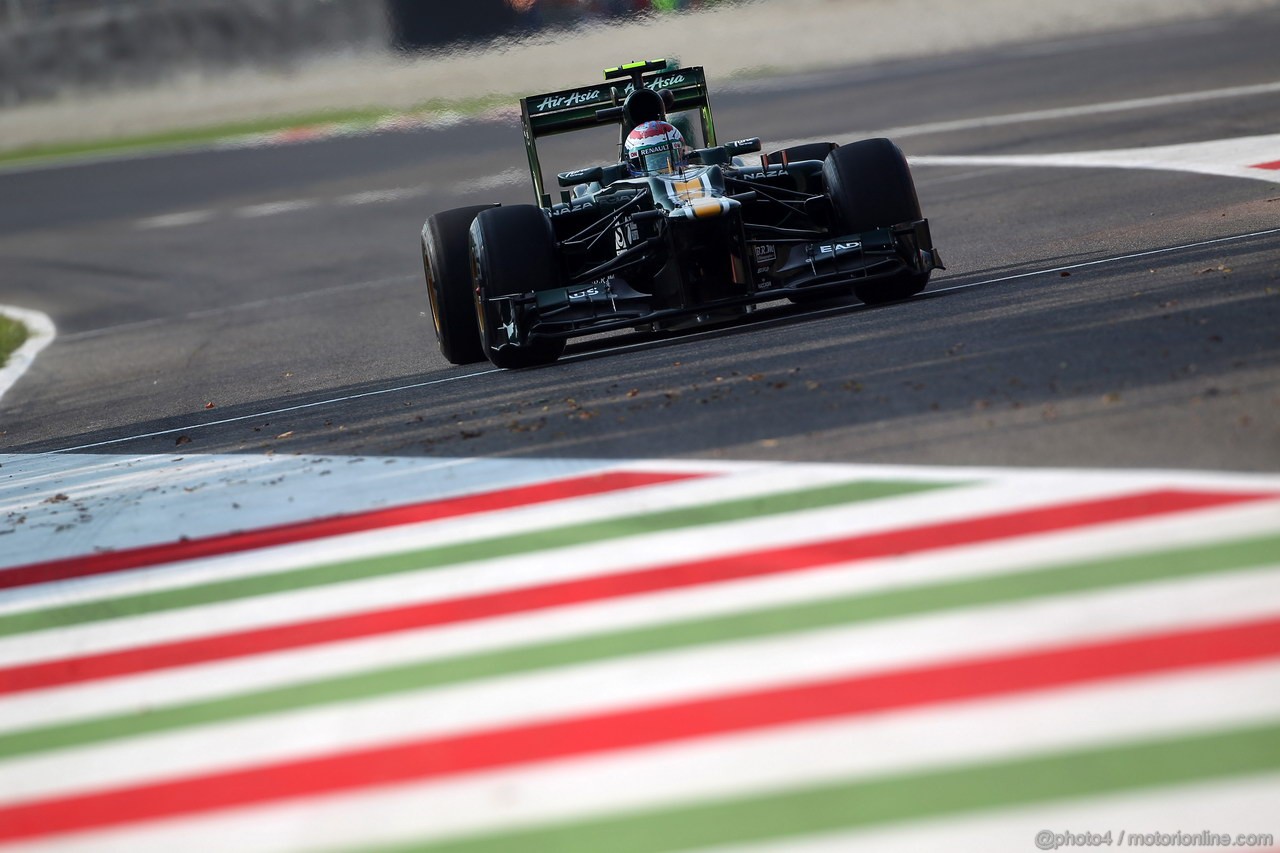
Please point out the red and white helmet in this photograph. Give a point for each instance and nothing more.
(654, 148)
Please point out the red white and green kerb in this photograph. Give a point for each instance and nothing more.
(631, 656)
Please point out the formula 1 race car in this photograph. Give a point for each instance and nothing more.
(668, 237)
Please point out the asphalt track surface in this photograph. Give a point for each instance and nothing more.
(272, 298)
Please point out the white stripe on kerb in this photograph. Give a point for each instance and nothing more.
(166, 688)
(774, 760)
(652, 679)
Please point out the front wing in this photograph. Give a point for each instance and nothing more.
(610, 302)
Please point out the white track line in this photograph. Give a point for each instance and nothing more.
(272, 412)
(1030, 116)
(275, 208)
(1083, 110)
(1238, 157)
(176, 220)
(1111, 260)
(487, 183)
(41, 333)
(253, 305)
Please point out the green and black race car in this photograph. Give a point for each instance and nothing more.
(668, 236)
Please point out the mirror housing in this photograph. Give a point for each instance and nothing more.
(580, 176)
(742, 146)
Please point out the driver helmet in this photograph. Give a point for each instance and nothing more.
(654, 148)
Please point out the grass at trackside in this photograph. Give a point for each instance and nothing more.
(215, 133)
(12, 336)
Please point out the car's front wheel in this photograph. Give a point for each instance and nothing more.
(449, 289)
(870, 187)
(513, 251)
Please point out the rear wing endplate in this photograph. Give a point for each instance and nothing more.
(575, 109)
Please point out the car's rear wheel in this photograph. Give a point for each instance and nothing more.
(513, 250)
(448, 271)
(870, 187)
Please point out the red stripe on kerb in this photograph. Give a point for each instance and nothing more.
(285, 534)
(673, 576)
(436, 758)
(1274, 164)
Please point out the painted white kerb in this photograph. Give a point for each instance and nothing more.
(42, 333)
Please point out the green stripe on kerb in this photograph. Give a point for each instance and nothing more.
(465, 552)
(879, 802)
(1062, 579)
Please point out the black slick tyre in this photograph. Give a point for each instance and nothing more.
(513, 250)
(870, 187)
(447, 266)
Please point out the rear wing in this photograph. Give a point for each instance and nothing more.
(599, 105)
